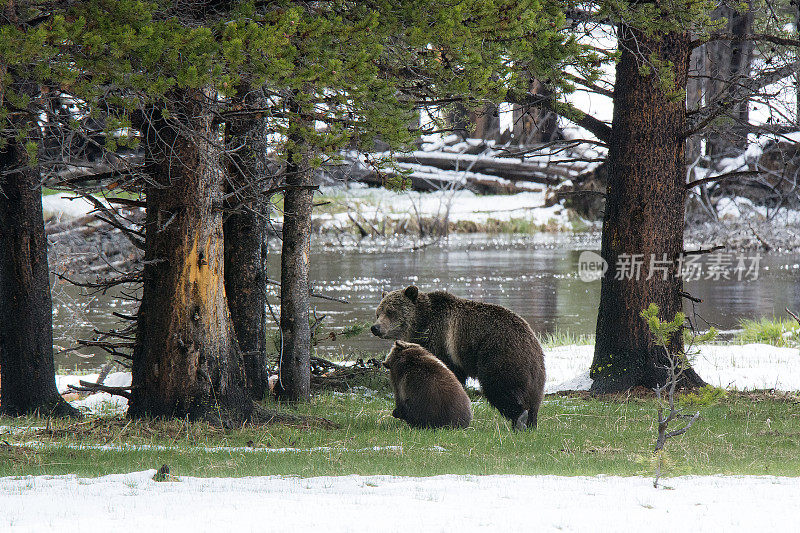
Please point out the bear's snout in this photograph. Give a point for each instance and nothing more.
(376, 330)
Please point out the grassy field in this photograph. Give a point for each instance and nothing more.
(757, 433)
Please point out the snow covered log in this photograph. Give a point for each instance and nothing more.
(511, 169)
(436, 181)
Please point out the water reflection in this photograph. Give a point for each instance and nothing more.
(534, 276)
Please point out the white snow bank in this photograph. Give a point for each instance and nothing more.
(746, 367)
(66, 206)
(461, 205)
(114, 379)
(133, 502)
(101, 402)
(123, 447)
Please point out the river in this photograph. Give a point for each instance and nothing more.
(535, 276)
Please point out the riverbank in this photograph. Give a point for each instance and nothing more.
(747, 367)
(347, 215)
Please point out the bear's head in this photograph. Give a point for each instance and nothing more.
(397, 356)
(396, 314)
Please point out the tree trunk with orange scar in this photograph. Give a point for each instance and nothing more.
(186, 360)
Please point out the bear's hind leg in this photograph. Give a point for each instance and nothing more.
(533, 407)
(506, 398)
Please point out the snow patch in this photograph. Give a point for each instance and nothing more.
(390, 503)
(64, 206)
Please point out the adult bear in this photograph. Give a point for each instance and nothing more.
(474, 339)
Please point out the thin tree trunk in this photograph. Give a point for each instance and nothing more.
(186, 360)
(644, 214)
(694, 100)
(245, 243)
(27, 381)
(295, 359)
(729, 62)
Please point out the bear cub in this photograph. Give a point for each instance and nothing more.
(474, 339)
(426, 393)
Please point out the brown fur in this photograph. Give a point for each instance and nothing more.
(474, 339)
(426, 393)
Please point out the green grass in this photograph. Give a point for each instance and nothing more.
(560, 337)
(744, 434)
(775, 331)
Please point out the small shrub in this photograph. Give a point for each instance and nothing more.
(702, 397)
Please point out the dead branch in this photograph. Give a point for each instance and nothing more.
(86, 386)
(729, 175)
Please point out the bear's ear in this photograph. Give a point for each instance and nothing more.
(411, 293)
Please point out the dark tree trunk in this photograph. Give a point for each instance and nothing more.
(245, 243)
(295, 360)
(483, 123)
(728, 62)
(186, 360)
(27, 374)
(694, 100)
(797, 74)
(534, 124)
(644, 214)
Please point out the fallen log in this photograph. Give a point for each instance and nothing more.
(502, 167)
(424, 182)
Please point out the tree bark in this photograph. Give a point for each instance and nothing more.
(186, 361)
(534, 123)
(483, 123)
(27, 380)
(245, 242)
(295, 359)
(728, 62)
(644, 214)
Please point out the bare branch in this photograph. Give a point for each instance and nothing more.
(728, 175)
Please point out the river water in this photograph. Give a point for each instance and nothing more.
(535, 276)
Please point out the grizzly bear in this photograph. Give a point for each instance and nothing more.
(426, 393)
(474, 339)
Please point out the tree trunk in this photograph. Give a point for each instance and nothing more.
(186, 361)
(483, 123)
(728, 62)
(27, 381)
(295, 361)
(534, 124)
(644, 214)
(694, 100)
(245, 243)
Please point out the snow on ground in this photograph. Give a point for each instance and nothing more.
(133, 502)
(66, 206)
(742, 367)
(101, 402)
(461, 205)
